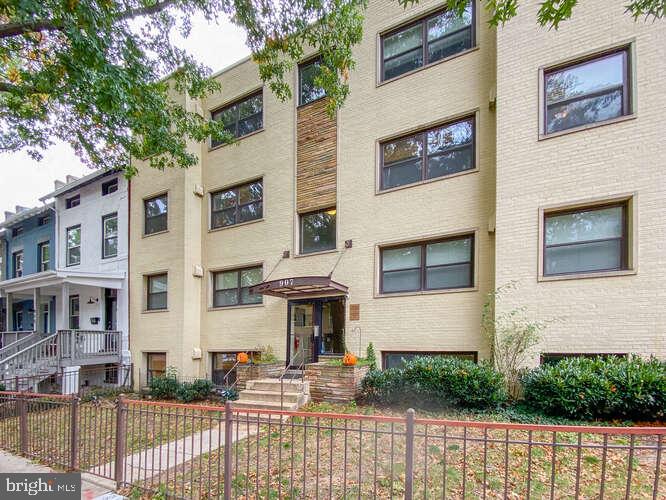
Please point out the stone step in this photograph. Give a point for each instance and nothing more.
(265, 405)
(273, 384)
(270, 396)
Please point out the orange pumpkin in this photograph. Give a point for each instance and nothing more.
(349, 359)
(242, 357)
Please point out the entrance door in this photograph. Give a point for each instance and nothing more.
(316, 326)
(110, 309)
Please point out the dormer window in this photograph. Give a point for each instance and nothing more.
(110, 186)
(17, 231)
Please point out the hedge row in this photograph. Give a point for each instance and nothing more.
(579, 388)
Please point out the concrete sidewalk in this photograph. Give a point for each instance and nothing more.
(91, 486)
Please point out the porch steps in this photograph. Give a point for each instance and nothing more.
(265, 394)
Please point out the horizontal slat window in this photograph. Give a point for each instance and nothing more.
(591, 91)
(436, 265)
(232, 288)
(437, 152)
(238, 204)
(585, 240)
(427, 41)
(241, 117)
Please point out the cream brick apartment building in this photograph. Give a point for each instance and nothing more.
(391, 222)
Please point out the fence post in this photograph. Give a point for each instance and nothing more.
(121, 442)
(409, 455)
(23, 423)
(74, 434)
(228, 437)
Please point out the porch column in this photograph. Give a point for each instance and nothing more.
(62, 305)
(9, 314)
(37, 325)
(70, 379)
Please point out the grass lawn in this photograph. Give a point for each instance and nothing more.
(322, 457)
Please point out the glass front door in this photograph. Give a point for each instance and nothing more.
(316, 327)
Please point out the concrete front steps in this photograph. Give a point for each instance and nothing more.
(265, 394)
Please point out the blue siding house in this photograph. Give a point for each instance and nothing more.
(29, 243)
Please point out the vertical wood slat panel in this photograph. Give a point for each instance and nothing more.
(316, 158)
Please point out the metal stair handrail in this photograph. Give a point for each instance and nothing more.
(18, 345)
(300, 367)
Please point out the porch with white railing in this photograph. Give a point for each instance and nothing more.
(47, 353)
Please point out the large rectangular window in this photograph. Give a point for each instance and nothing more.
(73, 245)
(436, 152)
(241, 117)
(318, 231)
(74, 312)
(156, 365)
(584, 240)
(44, 253)
(237, 204)
(308, 90)
(17, 264)
(398, 359)
(232, 288)
(110, 236)
(426, 41)
(155, 214)
(595, 90)
(435, 265)
(157, 287)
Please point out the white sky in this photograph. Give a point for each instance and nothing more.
(23, 180)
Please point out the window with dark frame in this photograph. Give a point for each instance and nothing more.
(431, 265)
(232, 287)
(109, 187)
(110, 235)
(594, 90)
(318, 231)
(237, 204)
(432, 153)
(110, 373)
(73, 241)
(223, 372)
(17, 264)
(554, 358)
(395, 359)
(17, 231)
(44, 253)
(157, 287)
(308, 90)
(155, 214)
(156, 365)
(74, 312)
(72, 202)
(43, 220)
(426, 41)
(584, 240)
(242, 117)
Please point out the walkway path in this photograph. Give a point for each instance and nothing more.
(91, 487)
(145, 464)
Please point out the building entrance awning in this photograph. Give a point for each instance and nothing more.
(300, 287)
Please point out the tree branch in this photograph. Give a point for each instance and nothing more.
(14, 29)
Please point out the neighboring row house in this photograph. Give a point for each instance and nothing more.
(65, 294)
(464, 158)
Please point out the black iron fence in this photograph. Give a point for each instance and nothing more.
(195, 451)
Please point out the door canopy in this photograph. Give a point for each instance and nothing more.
(300, 287)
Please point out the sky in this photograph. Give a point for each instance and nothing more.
(23, 180)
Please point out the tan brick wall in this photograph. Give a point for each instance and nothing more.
(605, 314)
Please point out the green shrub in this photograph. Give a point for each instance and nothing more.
(436, 382)
(371, 356)
(599, 388)
(164, 387)
(2, 387)
(198, 390)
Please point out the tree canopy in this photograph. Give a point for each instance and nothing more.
(98, 74)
